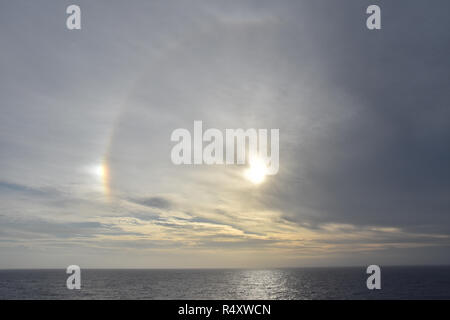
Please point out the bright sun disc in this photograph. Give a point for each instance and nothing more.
(99, 171)
(257, 171)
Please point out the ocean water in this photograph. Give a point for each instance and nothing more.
(300, 283)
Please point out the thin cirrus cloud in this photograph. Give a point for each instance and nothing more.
(363, 119)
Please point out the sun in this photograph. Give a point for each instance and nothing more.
(256, 173)
(99, 171)
(100, 176)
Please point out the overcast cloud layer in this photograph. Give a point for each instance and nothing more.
(364, 119)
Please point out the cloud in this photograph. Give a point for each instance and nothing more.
(382, 159)
(363, 119)
(20, 188)
(153, 202)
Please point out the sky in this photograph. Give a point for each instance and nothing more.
(86, 117)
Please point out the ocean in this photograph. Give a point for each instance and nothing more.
(229, 284)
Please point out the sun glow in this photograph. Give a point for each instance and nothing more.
(105, 178)
(101, 173)
(256, 173)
